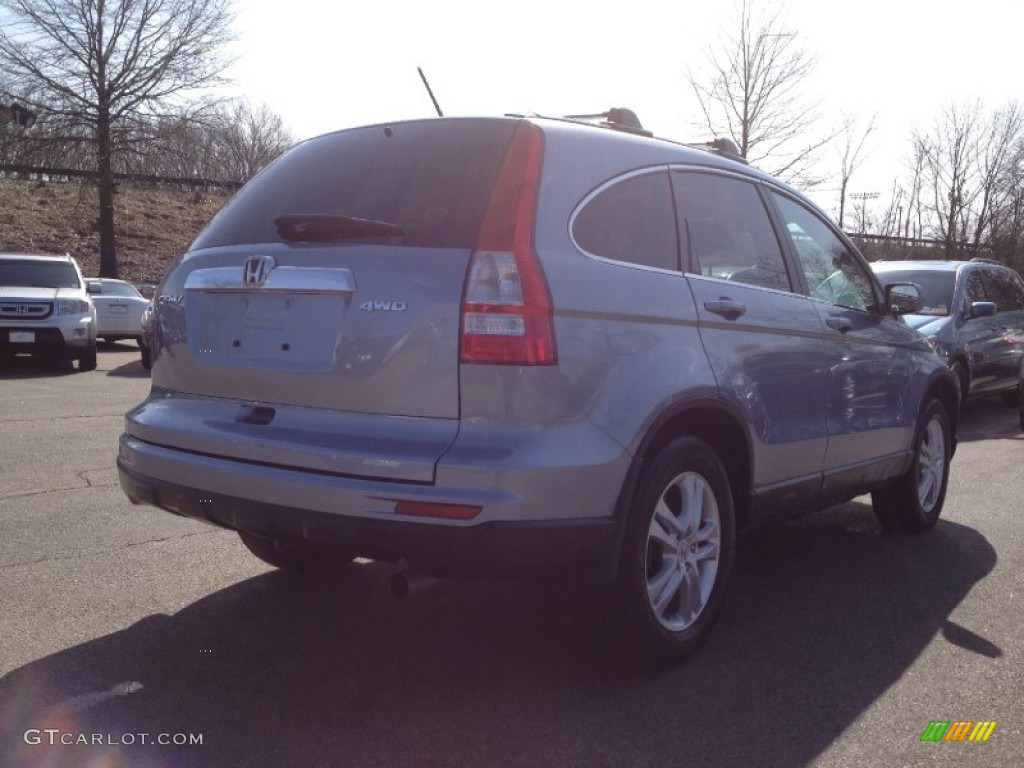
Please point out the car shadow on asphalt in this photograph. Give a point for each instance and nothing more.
(824, 615)
(24, 367)
(989, 419)
(132, 370)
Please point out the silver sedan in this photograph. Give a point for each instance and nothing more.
(119, 308)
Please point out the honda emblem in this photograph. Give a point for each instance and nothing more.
(256, 270)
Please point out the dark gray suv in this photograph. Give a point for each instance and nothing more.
(972, 313)
(525, 346)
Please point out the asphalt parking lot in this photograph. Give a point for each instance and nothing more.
(838, 644)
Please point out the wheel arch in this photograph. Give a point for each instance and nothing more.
(709, 419)
(960, 358)
(947, 392)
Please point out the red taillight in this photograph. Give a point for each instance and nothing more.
(506, 308)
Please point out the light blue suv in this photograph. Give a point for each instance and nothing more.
(532, 347)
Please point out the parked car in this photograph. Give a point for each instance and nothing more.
(973, 315)
(45, 310)
(524, 346)
(144, 348)
(119, 308)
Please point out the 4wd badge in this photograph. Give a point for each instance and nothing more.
(383, 306)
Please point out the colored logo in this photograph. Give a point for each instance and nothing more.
(958, 730)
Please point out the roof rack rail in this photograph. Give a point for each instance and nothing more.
(724, 147)
(616, 118)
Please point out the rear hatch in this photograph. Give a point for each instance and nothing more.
(327, 293)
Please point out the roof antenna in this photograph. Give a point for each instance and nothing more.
(427, 86)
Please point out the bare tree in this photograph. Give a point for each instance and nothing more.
(229, 142)
(752, 91)
(251, 138)
(949, 162)
(966, 157)
(106, 67)
(1000, 141)
(1007, 231)
(855, 134)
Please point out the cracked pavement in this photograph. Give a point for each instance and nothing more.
(836, 647)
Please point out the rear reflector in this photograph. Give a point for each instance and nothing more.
(506, 308)
(429, 509)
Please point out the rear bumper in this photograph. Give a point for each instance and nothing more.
(583, 548)
(119, 326)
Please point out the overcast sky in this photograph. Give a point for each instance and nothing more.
(324, 67)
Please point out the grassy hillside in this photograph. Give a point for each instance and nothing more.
(153, 225)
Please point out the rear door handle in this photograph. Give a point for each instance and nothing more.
(839, 323)
(726, 308)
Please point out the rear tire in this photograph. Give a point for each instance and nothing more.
(295, 556)
(147, 356)
(913, 502)
(678, 550)
(87, 362)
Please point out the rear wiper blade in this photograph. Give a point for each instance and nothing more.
(326, 228)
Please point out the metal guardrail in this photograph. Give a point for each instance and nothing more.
(54, 174)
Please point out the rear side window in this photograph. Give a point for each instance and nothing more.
(727, 230)
(432, 179)
(632, 221)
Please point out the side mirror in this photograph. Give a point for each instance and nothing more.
(93, 287)
(982, 309)
(903, 298)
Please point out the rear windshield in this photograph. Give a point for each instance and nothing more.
(119, 289)
(38, 274)
(936, 288)
(431, 179)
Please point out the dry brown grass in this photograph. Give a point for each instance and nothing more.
(152, 226)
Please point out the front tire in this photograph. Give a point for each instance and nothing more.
(913, 502)
(678, 550)
(87, 362)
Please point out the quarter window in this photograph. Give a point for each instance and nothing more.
(833, 272)
(727, 231)
(1003, 290)
(632, 221)
(975, 288)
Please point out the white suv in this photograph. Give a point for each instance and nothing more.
(45, 309)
